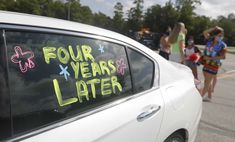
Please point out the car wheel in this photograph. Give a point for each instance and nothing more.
(175, 137)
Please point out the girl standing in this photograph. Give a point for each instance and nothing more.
(215, 50)
(192, 54)
(165, 47)
(177, 41)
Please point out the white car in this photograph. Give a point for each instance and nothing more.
(65, 81)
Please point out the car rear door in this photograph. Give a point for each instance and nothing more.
(72, 88)
(115, 124)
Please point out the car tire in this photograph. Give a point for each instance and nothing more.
(175, 137)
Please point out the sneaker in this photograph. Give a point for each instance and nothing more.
(206, 99)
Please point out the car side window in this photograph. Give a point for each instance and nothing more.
(5, 120)
(142, 69)
(53, 77)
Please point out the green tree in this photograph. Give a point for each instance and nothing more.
(78, 13)
(26, 6)
(86, 15)
(169, 15)
(58, 10)
(118, 21)
(52, 8)
(158, 18)
(73, 10)
(228, 24)
(179, 4)
(200, 23)
(186, 9)
(135, 15)
(7, 5)
(46, 8)
(101, 20)
(151, 18)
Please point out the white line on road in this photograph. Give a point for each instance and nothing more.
(227, 74)
(232, 71)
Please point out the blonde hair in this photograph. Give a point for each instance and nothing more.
(179, 27)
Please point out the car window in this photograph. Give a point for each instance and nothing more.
(53, 77)
(142, 69)
(5, 123)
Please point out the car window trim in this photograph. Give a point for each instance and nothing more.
(6, 69)
(156, 75)
(130, 66)
(130, 70)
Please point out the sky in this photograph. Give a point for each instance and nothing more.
(210, 8)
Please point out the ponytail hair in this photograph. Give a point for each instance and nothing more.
(179, 27)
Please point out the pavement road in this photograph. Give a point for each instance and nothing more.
(218, 118)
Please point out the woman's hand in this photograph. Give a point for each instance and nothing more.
(218, 28)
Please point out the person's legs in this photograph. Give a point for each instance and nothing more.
(207, 82)
(214, 83)
(210, 90)
(194, 70)
(198, 85)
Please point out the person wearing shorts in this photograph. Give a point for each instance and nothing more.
(214, 51)
(165, 47)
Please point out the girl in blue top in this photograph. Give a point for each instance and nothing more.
(214, 51)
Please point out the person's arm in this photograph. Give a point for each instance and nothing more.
(182, 46)
(162, 41)
(197, 50)
(215, 58)
(207, 32)
(221, 56)
(167, 44)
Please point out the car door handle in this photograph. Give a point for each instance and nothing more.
(148, 113)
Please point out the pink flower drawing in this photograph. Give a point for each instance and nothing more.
(121, 66)
(19, 55)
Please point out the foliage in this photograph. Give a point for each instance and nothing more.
(228, 24)
(118, 23)
(135, 15)
(101, 20)
(158, 18)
